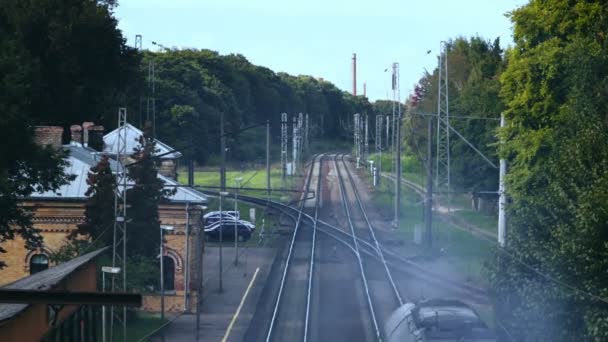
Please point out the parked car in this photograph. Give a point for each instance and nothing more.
(214, 216)
(212, 232)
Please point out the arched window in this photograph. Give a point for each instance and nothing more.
(38, 263)
(169, 273)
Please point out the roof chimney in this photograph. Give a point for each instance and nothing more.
(76, 134)
(96, 137)
(85, 132)
(48, 135)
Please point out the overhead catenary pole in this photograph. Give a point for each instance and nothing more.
(306, 132)
(284, 142)
(379, 145)
(442, 170)
(268, 158)
(119, 245)
(502, 200)
(428, 212)
(222, 154)
(366, 142)
(294, 147)
(300, 135)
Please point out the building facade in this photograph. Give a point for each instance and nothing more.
(59, 213)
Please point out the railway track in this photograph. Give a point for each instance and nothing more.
(299, 269)
(289, 313)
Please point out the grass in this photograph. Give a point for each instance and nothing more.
(464, 252)
(255, 178)
(477, 219)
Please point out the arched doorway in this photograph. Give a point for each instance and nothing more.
(169, 273)
(38, 263)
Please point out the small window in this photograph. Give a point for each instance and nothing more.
(168, 273)
(38, 263)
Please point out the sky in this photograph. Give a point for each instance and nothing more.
(318, 37)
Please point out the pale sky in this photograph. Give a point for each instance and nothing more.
(318, 37)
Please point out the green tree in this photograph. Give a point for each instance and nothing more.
(99, 206)
(556, 144)
(79, 64)
(143, 199)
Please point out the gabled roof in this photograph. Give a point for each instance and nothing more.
(80, 161)
(45, 280)
(133, 135)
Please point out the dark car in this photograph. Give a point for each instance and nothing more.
(244, 231)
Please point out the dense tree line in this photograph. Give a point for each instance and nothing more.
(554, 90)
(194, 88)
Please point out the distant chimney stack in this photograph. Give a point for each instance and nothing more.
(85, 132)
(76, 134)
(48, 135)
(354, 74)
(96, 137)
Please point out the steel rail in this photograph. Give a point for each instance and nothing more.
(312, 250)
(398, 262)
(287, 262)
(357, 253)
(373, 234)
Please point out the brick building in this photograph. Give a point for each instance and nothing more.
(58, 213)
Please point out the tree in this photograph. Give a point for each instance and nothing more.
(554, 88)
(99, 207)
(143, 199)
(79, 64)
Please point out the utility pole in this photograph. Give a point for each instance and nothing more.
(388, 122)
(398, 170)
(366, 142)
(379, 145)
(502, 200)
(357, 137)
(300, 134)
(442, 170)
(294, 154)
(268, 158)
(284, 145)
(428, 219)
(119, 245)
(223, 154)
(306, 141)
(397, 141)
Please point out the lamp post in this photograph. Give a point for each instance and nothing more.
(104, 270)
(162, 271)
(199, 267)
(236, 210)
(222, 194)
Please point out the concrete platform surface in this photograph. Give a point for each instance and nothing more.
(219, 308)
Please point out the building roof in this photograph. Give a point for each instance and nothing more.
(133, 134)
(45, 280)
(80, 161)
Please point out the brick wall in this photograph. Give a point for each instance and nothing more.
(48, 135)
